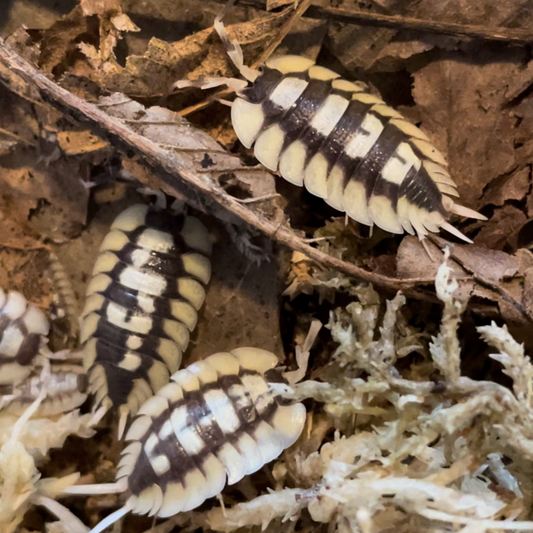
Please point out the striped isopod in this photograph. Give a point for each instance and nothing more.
(142, 302)
(215, 422)
(343, 144)
(23, 331)
(66, 386)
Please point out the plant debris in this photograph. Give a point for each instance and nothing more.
(419, 388)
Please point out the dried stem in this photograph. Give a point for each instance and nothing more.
(283, 31)
(173, 173)
(366, 18)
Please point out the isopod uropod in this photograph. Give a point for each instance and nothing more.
(215, 422)
(343, 144)
(142, 302)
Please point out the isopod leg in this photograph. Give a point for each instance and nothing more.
(111, 519)
(70, 522)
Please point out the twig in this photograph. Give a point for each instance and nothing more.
(282, 33)
(175, 173)
(354, 16)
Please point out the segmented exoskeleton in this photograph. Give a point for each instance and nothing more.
(66, 386)
(142, 302)
(26, 363)
(23, 332)
(215, 422)
(343, 144)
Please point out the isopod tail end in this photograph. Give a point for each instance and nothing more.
(424, 243)
(111, 519)
(463, 211)
(124, 414)
(454, 231)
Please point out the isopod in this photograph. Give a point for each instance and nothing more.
(23, 332)
(343, 144)
(217, 421)
(142, 302)
(66, 386)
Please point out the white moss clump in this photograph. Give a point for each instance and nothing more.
(427, 450)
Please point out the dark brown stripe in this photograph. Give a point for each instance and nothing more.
(6, 390)
(420, 190)
(119, 382)
(110, 354)
(118, 337)
(156, 329)
(246, 414)
(159, 263)
(29, 348)
(336, 142)
(263, 86)
(128, 298)
(83, 383)
(372, 164)
(171, 286)
(143, 474)
(197, 409)
(5, 322)
(297, 119)
(273, 112)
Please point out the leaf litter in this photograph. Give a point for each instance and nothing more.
(398, 438)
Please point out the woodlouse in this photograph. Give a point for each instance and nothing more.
(66, 386)
(343, 144)
(141, 304)
(216, 421)
(23, 331)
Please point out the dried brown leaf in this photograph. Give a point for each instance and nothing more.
(197, 56)
(79, 142)
(15, 236)
(173, 131)
(100, 7)
(501, 231)
(492, 264)
(62, 38)
(497, 278)
(461, 104)
(513, 187)
(24, 270)
(273, 4)
(377, 48)
(44, 198)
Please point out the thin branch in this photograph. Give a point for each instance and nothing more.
(282, 33)
(173, 172)
(366, 18)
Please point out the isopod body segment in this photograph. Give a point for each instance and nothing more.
(142, 303)
(23, 332)
(347, 147)
(217, 421)
(66, 387)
